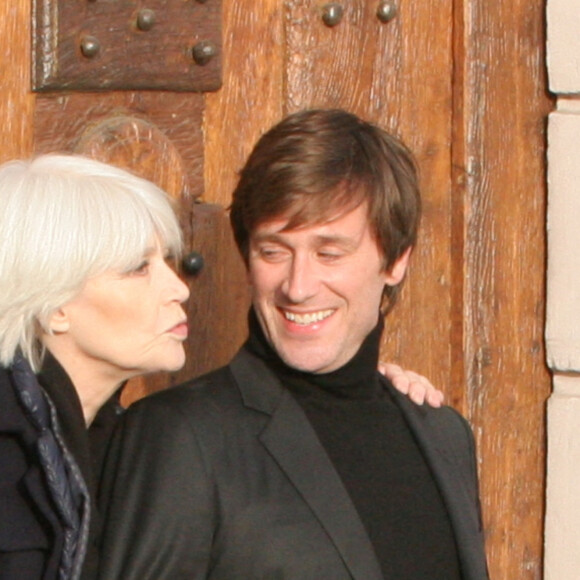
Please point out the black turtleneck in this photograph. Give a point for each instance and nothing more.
(373, 450)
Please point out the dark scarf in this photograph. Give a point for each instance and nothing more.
(65, 481)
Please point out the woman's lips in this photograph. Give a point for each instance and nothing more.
(180, 330)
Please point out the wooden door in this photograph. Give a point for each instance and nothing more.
(462, 82)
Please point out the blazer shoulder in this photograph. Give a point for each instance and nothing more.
(444, 425)
(199, 400)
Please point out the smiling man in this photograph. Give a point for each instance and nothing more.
(299, 461)
(317, 289)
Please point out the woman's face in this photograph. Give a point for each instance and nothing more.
(124, 324)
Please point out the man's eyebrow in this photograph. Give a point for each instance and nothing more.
(267, 237)
(336, 239)
(320, 240)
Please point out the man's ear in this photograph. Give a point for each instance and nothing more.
(58, 321)
(397, 272)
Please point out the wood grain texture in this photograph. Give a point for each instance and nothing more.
(251, 99)
(219, 300)
(65, 122)
(501, 109)
(16, 100)
(137, 145)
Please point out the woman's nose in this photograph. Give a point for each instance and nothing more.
(179, 290)
(182, 289)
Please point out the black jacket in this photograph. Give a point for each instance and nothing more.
(32, 533)
(225, 479)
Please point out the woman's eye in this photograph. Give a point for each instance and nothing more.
(142, 268)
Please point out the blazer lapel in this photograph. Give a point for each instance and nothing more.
(293, 443)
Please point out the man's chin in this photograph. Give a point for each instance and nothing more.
(307, 363)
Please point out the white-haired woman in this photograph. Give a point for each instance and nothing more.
(88, 299)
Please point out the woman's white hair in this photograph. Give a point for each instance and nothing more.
(64, 219)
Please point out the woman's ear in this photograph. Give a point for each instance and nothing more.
(58, 321)
(397, 272)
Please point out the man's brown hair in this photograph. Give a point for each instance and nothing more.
(317, 165)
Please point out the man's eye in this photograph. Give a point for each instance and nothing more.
(271, 254)
(329, 256)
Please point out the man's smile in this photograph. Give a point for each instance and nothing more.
(307, 318)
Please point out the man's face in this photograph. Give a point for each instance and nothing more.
(317, 289)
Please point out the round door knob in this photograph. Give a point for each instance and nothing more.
(192, 264)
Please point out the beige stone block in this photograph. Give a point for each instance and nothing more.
(563, 45)
(562, 544)
(563, 283)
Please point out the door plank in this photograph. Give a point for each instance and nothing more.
(502, 106)
(16, 102)
(250, 100)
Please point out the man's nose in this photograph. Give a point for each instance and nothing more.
(302, 279)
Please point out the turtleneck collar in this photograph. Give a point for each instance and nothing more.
(357, 379)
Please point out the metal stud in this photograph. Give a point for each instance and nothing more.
(386, 11)
(332, 14)
(145, 19)
(193, 263)
(203, 52)
(90, 46)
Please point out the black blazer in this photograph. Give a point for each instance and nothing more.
(225, 479)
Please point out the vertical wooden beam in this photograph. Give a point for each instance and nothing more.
(250, 100)
(17, 102)
(500, 112)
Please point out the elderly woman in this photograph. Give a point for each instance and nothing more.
(88, 299)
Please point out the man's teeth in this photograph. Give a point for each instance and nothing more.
(308, 318)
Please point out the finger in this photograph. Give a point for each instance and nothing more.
(396, 375)
(435, 398)
(423, 390)
(417, 392)
(390, 370)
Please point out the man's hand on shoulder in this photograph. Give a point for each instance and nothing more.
(417, 387)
